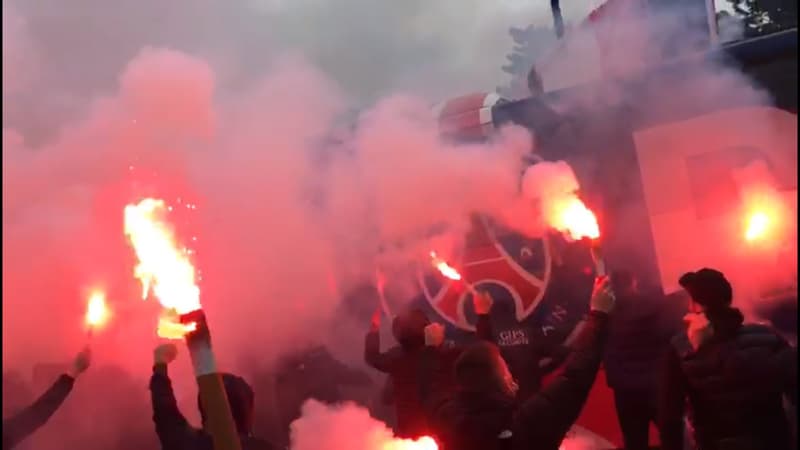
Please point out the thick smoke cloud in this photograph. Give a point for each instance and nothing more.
(266, 203)
(286, 222)
(324, 427)
(370, 49)
(203, 105)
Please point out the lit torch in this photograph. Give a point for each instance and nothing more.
(571, 217)
(97, 313)
(166, 272)
(450, 272)
(757, 226)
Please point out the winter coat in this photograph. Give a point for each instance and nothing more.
(734, 383)
(403, 365)
(485, 419)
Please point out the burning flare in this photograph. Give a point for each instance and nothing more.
(764, 213)
(446, 270)
(569, 215)
(97, 312)
(423, 443)
(758, 225)
(164, 268)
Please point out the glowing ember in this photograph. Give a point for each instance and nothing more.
(97, 312)
(572, 217)
(446, 270)
(757, 226)
(164, 268)
(423, 443)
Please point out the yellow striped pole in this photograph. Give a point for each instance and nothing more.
(218, 418)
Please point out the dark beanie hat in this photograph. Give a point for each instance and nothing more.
(708, 288)
(409, 328)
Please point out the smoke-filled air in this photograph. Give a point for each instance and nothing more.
(269, 162)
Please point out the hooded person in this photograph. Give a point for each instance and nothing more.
(174, 432)
(734, 375)
(22, 424)
(485, 413)
(403, 364)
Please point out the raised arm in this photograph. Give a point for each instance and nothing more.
(24, 423)
(372, 348)
(546, 417)
(171, 427)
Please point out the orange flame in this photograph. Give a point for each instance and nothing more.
(163, 269)
(758, 225)
(572, 217)
(446, 270)
(423, 443)
(97, 313)
(764, 211)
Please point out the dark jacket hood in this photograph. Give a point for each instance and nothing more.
(241, 399)
(409, 329)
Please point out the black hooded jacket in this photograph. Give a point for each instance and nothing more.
(480, 417)
(21, 425)
(734, 383)
(403, 364)
(175, 433)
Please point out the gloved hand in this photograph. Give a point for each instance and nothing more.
(165, 354)
(434, 335)
(81, 362)
(482, 303)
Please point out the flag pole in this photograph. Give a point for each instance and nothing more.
(713, 26)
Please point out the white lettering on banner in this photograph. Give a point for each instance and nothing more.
(511, 338)
(685, 234)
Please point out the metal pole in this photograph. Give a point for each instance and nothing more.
(558, 20)
(713, 26)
